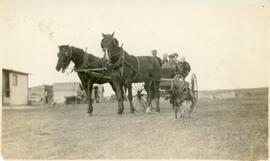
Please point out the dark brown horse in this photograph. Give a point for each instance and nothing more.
(128, 69)
(82, 60)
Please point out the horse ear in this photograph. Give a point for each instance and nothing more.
(103, 35)
(112, 34)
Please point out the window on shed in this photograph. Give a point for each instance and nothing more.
(15, 79)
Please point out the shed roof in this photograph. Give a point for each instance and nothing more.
(15, 71)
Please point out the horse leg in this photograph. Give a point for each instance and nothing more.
(152, 95)
(119, 94)
(176, 109)
(123, 93)
(129, 86)
(157, 96)
(112, 85)
(89, 89)
(149, 95)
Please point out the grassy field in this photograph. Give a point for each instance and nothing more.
(235, 128)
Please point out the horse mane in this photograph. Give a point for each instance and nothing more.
(84, 52)
(119, 48)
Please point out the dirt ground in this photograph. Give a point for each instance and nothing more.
(219, 129)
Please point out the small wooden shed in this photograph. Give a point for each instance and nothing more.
(14, 87)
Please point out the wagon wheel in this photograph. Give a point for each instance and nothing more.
(139, 95)
(194, 87)
(177, 82)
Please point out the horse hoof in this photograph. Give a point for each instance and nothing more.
(157, 110)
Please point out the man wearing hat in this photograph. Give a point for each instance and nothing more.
(170, 67)
(154, 53)
(171, 58)
(165, 58)
(176, 57)
(184, 67)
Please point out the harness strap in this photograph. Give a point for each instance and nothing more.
(139, 66)
(123, 63)
(117, 64)
(85, 61)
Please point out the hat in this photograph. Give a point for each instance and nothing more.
(182, 59)
(154, 51)
(175, 54)
(171, 55)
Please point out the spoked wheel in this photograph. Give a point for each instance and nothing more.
(178, 82)
(194, 87)
(139, 95)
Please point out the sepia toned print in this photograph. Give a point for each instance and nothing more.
(135, 79)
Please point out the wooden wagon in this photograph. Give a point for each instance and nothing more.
(168, 81)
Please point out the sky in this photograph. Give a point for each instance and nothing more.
(225, 42)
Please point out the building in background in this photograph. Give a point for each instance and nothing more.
(14, 87)
(40, 95)
(63, 90)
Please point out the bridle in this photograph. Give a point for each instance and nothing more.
(108, 52)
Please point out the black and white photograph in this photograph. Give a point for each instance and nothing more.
(134, 79)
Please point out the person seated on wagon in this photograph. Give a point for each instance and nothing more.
(154, 53)
(184, 67)
(176, 57)
(170, 68)
(170, 63)
(164, 58)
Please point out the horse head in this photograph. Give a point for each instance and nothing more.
(64, 57)
(108, 44)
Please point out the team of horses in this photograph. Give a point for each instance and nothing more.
(123, 69)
